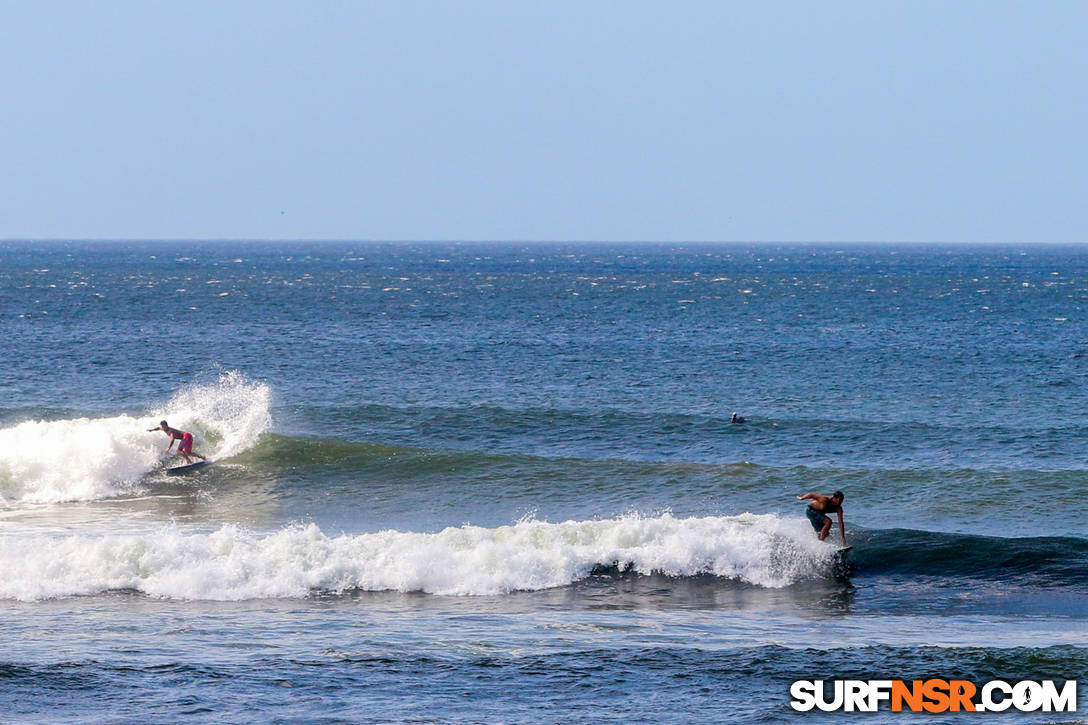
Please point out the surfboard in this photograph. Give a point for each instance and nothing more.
(191, 468)
(843, 549)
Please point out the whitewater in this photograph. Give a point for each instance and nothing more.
(85, 459)
(232, 564)
(500, 483)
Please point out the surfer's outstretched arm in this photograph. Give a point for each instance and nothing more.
(805, 496)
(842, 528)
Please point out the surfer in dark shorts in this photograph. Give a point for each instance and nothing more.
(819, 511)
(185, 447)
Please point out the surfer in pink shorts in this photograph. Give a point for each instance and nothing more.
(185, 447)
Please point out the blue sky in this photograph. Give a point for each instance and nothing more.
(716, 121)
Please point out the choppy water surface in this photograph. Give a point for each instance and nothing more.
(499, 483)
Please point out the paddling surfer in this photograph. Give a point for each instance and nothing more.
(185, 447)
(818, 513)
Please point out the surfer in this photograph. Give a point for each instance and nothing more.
(185, 447)
(819, 509)
(736, 419)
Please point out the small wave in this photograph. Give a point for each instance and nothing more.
(1049, 561)
(276, 450)
(234, 564)
(603, 432)
(83, 459)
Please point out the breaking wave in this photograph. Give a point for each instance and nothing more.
(82, 459)
(232, 563)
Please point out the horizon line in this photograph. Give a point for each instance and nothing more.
(350, 240)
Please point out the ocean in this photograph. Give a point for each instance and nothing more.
(483, 482)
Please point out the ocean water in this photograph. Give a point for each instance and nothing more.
(499, 482)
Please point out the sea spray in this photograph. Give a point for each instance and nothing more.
(232, 563)
(77, 459)
(229, 414)
(85, 459)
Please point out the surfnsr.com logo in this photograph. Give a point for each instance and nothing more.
(933, 696)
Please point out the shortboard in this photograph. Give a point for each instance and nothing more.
(190, 468)
(843, 549)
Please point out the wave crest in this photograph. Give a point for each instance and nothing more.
(85, 459)
(233, 564)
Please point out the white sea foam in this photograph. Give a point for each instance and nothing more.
(229, 415)
(93, 458)
(232, 564)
